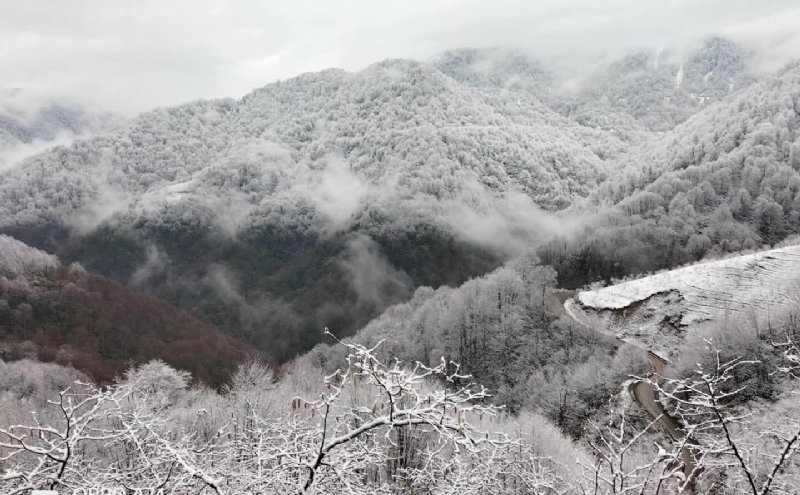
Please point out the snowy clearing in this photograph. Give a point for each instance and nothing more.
(658, 311)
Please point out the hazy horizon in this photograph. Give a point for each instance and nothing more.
(130, 59)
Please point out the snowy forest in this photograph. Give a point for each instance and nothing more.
(472, 273)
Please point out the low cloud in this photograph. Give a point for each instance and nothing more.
(375, 281)
(155, 264)
(255, 309)
(508, 223)
(340, 193)
(224, 284)
(107, 202)
(12, 154)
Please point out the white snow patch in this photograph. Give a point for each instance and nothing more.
(762, 280)
(171, 192)
(742, 287)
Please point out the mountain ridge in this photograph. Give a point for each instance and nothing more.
(336, 191)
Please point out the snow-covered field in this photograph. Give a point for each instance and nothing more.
(658, 311)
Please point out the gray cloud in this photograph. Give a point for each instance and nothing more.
(131, 56)
(339, 193)
(156, 263)
(509, 223)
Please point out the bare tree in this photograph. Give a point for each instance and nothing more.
(727, 450)
(375, 428)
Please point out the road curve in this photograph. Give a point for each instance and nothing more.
(645, 393)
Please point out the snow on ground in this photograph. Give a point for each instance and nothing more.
(763, 280)
(168, 194)
(658, 311)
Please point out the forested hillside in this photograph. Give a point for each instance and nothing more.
(323, 199)
(663, 89)
(643, 91)
(507, 330)
(355, 282)
(725, 363)
(311, 202)
(63, 314)
(725, 180)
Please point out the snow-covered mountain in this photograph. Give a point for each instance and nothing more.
(647, 90)
(661, 89)
(390, 242)
(319, 200)
(727, 179)
(399, 124)
(379, 181)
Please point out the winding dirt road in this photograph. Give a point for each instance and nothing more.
(644, 392)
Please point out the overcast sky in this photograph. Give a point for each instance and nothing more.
(130, 56)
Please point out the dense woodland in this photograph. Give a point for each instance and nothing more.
(323, 199)
(53, 313)
(725, 181)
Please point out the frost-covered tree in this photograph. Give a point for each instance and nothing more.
(373, 428)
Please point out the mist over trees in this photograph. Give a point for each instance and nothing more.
(252, 211)
(62, 314)
(249, 212)
(31, 123)
(724, 181)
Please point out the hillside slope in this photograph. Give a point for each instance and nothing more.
(505, 331)
(726, 180)
(321, 200)
(661, 90)
(64, 314)
(659, 312)
(311, 202)
(640, 92)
